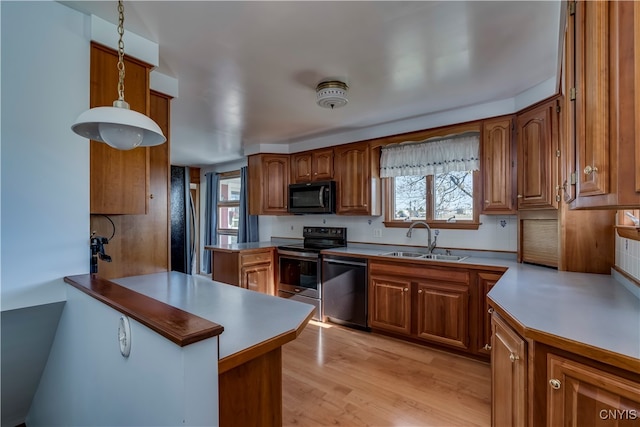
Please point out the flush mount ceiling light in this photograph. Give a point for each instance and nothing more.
(118, 126)
(331, 94)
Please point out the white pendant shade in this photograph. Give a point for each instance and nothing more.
(120, 128)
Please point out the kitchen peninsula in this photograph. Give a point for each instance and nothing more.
(249, 349)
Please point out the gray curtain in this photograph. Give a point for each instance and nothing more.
(248, 226)
(212, 180)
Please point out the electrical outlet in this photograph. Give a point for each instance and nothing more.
(377, 232)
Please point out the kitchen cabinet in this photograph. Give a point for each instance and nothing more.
(422, 302)
(538, 152)
(268, 184)
(605, 44)
(486, 281)
(508, 375)
(131, 185)
(248, 268)
(443, 312)
(119, 181)
(580, 395)
(357, 170)
(310, 166)
(498, 166)
(390, 304)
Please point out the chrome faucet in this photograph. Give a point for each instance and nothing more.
(431, 245)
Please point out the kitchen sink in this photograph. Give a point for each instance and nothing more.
(420, 255)
(441, 257)
(405, 254)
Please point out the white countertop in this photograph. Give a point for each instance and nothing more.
(249, 318)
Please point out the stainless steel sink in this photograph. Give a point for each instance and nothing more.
(441, 257)
(420, 255)
(405, 254)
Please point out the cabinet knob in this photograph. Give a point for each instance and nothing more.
(555, 384)
(520, 196)
(316, 173)
(151, 196)
(487, 347)
(486, 202)
(588, 170)
(405, 290)
(490, 311)
(419, 291)
(513, 357)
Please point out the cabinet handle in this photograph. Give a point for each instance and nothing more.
(555, 384)
(151, 196)
(590, 169)
(487, 347)
(486, 202)
(490, 311)
(316, 173)
(405, 290)
(520, 196)
(513, 357)
(419, 291)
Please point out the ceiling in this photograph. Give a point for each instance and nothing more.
(247, 71)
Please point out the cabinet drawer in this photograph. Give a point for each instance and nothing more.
(255, 258)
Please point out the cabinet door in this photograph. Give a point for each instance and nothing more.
(257, 278)
(581, 395)
(353, 175)
(592, 77)
(390, 304)
(537, 161)
(443, 313)
(508, 376)
(486, 281)
(498, 167)
(119, 182)
(301, 168)
(275, 181)
(322, 165)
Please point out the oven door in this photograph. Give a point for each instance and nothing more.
(299, 273)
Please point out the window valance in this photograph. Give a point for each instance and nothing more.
(431, 156)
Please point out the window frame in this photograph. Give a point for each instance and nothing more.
(226, 204)
(389, 198)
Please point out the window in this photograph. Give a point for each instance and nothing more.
(435, 180)
(228, 207)
(444, 200)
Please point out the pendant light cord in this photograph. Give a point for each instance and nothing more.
(120, 51)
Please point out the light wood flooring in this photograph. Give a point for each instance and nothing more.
(336, 376)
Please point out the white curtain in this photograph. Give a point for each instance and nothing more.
(429, 157)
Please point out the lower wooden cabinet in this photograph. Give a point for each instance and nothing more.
(582, 395)
(561, 385)
(421, 302)
(486, 281)
(390, 304)
(508, 376)
(250, 269)
(443, 313)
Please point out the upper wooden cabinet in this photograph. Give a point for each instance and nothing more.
(538, 152)
(268, 184)
(314, 165)
(498, 166)
(357, 170)
(119, 180)
(605, 42)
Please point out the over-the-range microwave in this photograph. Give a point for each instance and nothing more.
(312, 197)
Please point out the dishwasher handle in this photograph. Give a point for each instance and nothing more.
(338, 261)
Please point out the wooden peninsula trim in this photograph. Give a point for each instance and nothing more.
(176, 325)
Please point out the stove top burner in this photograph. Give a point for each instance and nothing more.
(319, 238)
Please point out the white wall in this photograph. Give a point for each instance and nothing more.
(44, 229)
(88, 382)
(491, 235)
(45, 167)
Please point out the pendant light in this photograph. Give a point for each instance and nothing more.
(119, 126)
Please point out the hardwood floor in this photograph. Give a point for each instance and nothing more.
(335, 376)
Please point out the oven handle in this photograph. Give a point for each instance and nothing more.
(336, 261)
(305, 256)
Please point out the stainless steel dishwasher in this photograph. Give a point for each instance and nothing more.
(344, 291)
